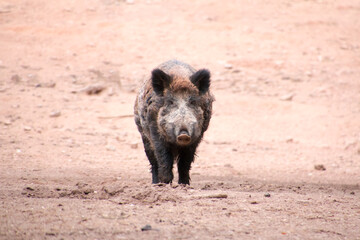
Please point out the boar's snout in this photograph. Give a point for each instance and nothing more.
(183, 138)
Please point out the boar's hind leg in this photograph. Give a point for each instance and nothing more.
(186, 157)
(152, 159)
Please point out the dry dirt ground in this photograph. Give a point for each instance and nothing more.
(286, 77)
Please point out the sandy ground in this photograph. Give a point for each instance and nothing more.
(286, 77)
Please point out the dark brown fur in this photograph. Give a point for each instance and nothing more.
(174, 104)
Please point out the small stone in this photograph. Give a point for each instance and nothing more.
(6, 122)
(55, 114)
(309, 73)
(319, 167)
(291, 78)
(287, 97)
(15, 78)
(134, 145)
(147, 227)
(267, 195)
(228, 66)
(285, 78)
(352, 193)
(279, 62)
(110, 148)
(46, 85)
(94, 89)
(3, 89)
(32, 76)
(111, 92)
(27, 128)
(220, 195)
(114, 76)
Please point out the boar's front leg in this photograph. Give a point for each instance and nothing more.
(186, 157)
(165, 159)
(165, 162)
(152, 159)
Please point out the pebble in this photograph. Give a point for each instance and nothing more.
(111, 92)
(55, 114)
(27, 128)
(287, 97)
(114, 76)
(267, 195)
(279, 62)
(46, 85)
(94, 89)
(228, 66)
(291, 78)
(228, 165)
(32, 77)
(110, 148)
(15, 78)
(6, 122)
(309, 73)
(319, 167)
(220, 195)
(134, 145)
(147, 227)
(3, 89)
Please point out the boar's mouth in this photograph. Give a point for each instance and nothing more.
(183, 138)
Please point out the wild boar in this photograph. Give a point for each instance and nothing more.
(172, 112)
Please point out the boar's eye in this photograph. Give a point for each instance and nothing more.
(193, 101)
(170, 102)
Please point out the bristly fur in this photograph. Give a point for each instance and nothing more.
(181, 85)
(154, 106)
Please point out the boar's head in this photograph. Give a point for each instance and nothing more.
(183, 99)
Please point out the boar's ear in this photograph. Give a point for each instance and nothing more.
(201, 79)
(159, 81)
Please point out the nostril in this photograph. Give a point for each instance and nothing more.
(183, 139)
